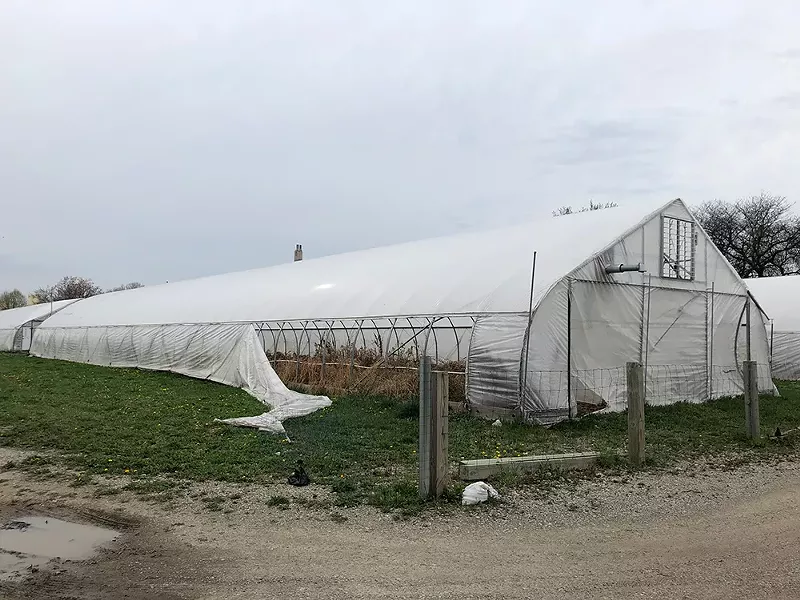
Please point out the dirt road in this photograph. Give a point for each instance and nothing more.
(691, 534)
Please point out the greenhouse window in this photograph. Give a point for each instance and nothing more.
(677, 248)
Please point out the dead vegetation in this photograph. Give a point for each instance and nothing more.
(347, 370)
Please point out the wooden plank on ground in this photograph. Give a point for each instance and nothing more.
(473, 470)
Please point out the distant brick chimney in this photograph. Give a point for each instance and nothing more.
(298, 252)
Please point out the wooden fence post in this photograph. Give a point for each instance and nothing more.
(751, 412)
(635, 384)
(425, 413)
(433, 430)
(439, 433)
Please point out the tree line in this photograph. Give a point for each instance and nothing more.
(66, 288)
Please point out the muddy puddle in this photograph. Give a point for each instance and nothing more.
(29, 543)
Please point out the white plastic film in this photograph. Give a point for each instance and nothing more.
(228, 354)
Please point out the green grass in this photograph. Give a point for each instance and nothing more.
(151, 425)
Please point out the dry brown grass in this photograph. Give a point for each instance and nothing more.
(364, 372)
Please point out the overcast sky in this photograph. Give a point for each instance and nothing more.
(161, 140)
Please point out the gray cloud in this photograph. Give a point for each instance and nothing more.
(143, 141)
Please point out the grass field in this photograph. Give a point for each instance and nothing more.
(142, 424)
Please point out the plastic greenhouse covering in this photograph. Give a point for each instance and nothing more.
(778, 297)
(17, 324)
(546, 353)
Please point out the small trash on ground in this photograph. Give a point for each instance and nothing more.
(299, 477)
(497, 423)
(478, 492)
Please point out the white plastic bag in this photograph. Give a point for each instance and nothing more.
(478, 492)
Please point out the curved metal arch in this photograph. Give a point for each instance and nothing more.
(303, 332)
(392, 330)
(435, 344)
(430, 329)
(296, 341)
(380, 337)
(296, 355)
(353, 353)
(414, 337)
(280, 332)
(361, 331)
(263, 337)
(346, 331)
(330, 331)
(322, 351)
(455, 335)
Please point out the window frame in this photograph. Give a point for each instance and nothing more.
(667, 268)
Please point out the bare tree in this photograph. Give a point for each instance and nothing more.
(758, 235)
(68, 288)
(568, 210)
(134, 285)
(12, 299)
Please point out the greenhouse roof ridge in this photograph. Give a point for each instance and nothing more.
(471, 272)
(14, 317)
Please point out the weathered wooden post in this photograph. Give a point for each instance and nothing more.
(635, 384)
(751, 412)
(425, 412)
(433, 430)
(439, 432)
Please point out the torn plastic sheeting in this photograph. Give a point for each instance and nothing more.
(272, 421)
(230, 354)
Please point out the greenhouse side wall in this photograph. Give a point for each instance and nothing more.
(786, 355)
(226, 353)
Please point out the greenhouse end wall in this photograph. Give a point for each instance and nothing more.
(687, 332)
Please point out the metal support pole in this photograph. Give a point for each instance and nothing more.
(748, 331)
(573, 410)
(322, 344)
(711, 349)
(527, 337)
(647, 332)
(771, 340)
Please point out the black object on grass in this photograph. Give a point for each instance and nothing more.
(299, 477)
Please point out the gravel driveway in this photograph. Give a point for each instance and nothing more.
(692, 533)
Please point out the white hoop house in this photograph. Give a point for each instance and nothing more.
(17, 324)
(470, 295)
(778, 297)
